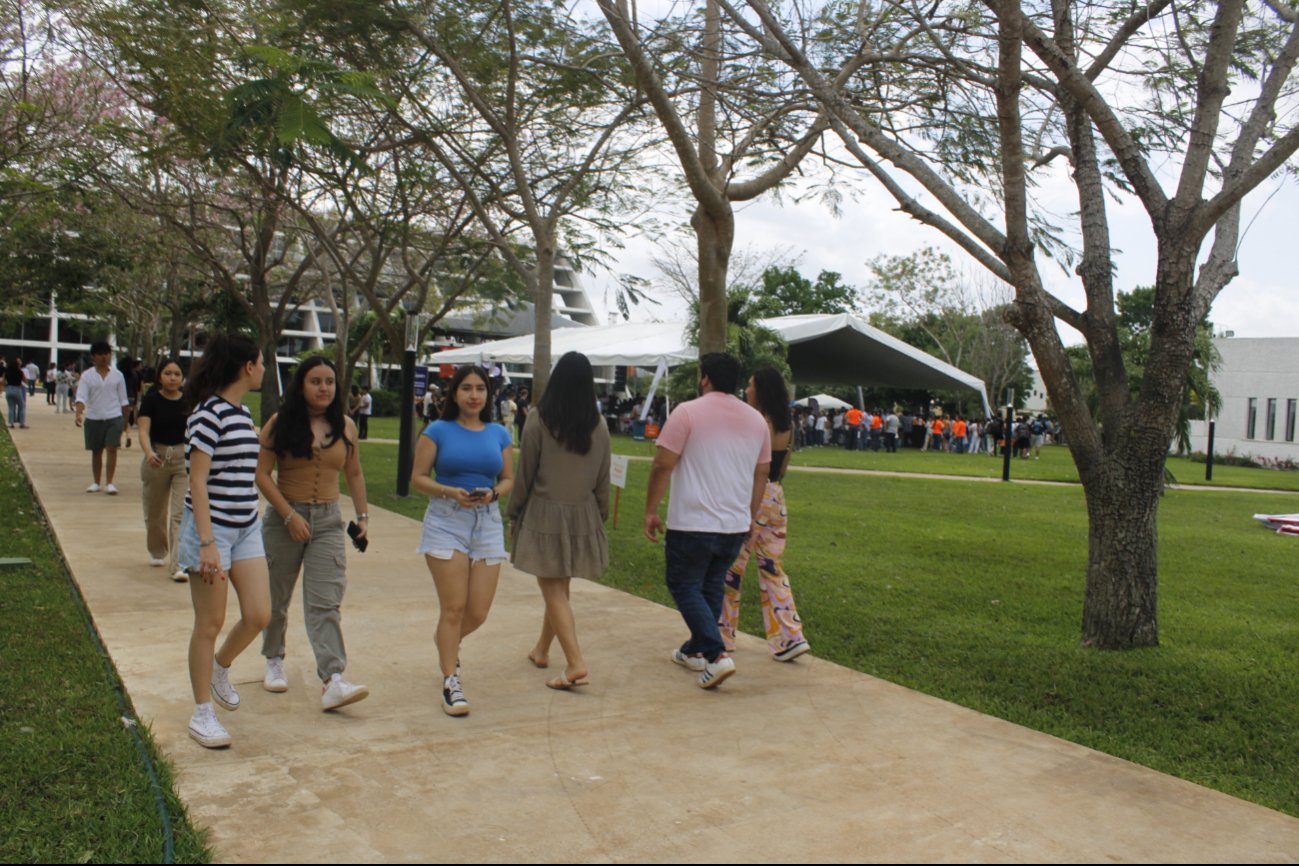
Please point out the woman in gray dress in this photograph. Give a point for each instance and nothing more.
(561, 502)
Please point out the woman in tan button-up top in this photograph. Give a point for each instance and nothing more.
(310, 441)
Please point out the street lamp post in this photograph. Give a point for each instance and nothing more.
(1009, 434)
(405, 410)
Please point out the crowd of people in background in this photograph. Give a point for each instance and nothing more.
(888, 430)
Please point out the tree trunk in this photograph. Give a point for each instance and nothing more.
(268, 337)
(543, 302)
(716, 236)
(1119, 610)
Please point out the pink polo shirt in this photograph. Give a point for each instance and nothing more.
(720, 440)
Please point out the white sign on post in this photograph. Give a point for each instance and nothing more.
(618, 470)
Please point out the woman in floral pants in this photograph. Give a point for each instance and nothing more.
(767, 394)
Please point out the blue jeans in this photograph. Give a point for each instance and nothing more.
(17, 399)
(696, 577)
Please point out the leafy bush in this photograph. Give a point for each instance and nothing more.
(1231, 458)
(386, 402)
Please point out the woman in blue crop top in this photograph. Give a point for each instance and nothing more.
(463, 540)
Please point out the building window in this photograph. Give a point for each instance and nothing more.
(1271, 418)
(1289, 419)
(1251, 418)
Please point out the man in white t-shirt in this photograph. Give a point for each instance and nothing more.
(716, 450)
(102, 408)
(363, 413)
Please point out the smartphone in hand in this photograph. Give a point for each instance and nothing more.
(481, 493)
(357, 541)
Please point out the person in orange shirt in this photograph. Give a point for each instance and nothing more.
(877, 429)
(959, 431)
(853, 418)
(936, 434)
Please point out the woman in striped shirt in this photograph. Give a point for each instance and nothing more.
(221, 536)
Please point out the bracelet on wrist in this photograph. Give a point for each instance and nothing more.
(208, 543)
(364, 515)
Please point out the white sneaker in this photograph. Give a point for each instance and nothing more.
(223, 692)
(694, 662)
(181, 575)
(715, 672)
(110, 489)
(275, 680)
(94, 488)
(338, 692)
(204, 727)
(453, 697)
(157, 561)
(792, 652)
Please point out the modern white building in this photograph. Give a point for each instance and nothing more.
(1258, 379)
(61, 336)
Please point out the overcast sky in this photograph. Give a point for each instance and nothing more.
(1261, 302)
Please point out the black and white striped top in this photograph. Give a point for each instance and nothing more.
(226, 433)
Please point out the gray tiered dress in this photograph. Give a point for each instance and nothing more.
(559, 504)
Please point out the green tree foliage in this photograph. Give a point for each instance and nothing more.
(786, 292)
(922, 300)
(752, 345)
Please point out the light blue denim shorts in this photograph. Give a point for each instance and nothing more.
(476, 532)
(232, 544)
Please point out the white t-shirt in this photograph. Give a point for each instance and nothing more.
(720, 440)
(104, 396)
(367, 402)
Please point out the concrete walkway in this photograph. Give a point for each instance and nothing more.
(801, 762)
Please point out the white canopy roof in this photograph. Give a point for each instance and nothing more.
(834, 349)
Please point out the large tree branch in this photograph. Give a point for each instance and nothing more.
(754, 187)
(1131, 160)
(1119, 41)
(1211, 92)
(776, 40)
(697, 177)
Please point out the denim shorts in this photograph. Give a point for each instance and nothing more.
(233, 545)
(476, 532)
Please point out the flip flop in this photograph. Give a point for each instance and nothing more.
(537, 664)
(563, 683)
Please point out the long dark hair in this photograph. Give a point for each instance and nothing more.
(223, 362)
(567, 406)
(451, 409)
(773, 397)
(292, 434)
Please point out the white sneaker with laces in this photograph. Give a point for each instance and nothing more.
(275, 680)
(715, 672)
(94, 488)
(453, 697)
(792, 652)
(695, 663)
(338, 692)
(181, 575)
(110, 489)
(206, 729)
(223, 692)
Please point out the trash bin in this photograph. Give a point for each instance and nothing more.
(637, 429)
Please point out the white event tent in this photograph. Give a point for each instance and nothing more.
(825, 349)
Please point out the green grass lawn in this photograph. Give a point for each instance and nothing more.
(973, 593)
(1054, 465)
(73, 788)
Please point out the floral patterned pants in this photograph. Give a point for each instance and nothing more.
(779, 615)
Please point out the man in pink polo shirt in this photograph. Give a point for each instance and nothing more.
(716, 450)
